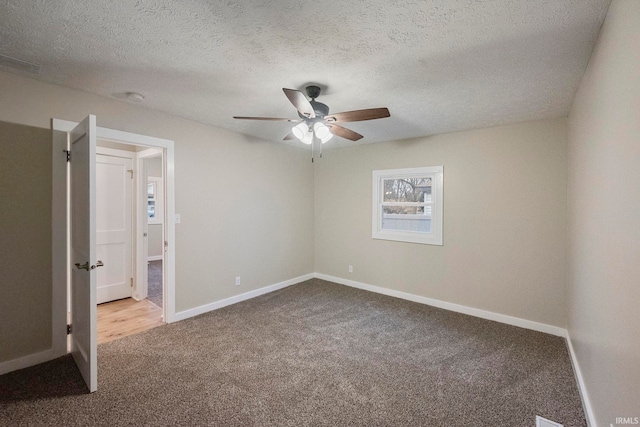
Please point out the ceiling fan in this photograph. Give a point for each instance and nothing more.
(315, 119)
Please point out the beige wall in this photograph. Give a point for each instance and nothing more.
(154, 166)
(504, 220)
(25, 233)
(246, 204)
(604, 218)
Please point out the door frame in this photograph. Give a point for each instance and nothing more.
(60, 222)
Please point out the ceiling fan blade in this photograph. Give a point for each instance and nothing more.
(271, 119)
(358, 115)
(343, 132)
(300, 102)
(289, 136)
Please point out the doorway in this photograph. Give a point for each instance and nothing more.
(64, 135)
(127, 306)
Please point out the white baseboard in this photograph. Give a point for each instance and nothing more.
(154, 258)
(239, 298)
(27, 361)
(489, 315)
(584, 396)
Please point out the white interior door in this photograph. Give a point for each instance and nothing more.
(114, 181)
(83, 252)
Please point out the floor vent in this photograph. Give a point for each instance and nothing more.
(18, 64)
(543, 422)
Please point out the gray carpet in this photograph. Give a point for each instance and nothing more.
(314, 354)
(154, 283)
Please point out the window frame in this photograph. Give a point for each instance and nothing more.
(436, 173)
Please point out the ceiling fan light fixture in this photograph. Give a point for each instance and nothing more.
(300, 130)
(321, 130)
(326, 138)
(315, 121)
(308, 138)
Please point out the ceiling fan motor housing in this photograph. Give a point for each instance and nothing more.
(313, 91)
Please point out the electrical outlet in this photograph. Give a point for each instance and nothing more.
(351, 269)
(238, 281)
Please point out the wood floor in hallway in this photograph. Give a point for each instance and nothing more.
(125, 317)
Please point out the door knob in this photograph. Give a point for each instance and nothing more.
(84, 266)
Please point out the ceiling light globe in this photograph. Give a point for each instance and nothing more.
(326, 138)
(308, 138)
(300, 130)
(321, 130)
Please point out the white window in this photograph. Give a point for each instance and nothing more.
(407, 205)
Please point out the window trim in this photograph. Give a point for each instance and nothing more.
(433, 238)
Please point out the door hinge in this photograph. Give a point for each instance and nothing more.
(68, 329)
(131, 172)
(132, 282)
(68, 155)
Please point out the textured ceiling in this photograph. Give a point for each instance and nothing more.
(439, 66)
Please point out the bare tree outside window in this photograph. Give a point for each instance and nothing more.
(407, 190)
(407, 205)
